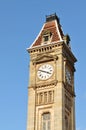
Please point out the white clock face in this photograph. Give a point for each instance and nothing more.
(45, 71)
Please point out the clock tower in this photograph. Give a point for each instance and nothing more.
(51, 102)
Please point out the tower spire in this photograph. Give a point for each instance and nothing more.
(51, 102)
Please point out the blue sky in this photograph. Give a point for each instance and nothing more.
(20, 23)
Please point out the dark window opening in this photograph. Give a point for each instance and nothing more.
(46, 38)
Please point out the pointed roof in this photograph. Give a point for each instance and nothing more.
(52, 25)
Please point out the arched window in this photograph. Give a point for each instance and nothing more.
(46, 118)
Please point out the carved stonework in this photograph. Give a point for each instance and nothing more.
(44, 85)
(44, 58)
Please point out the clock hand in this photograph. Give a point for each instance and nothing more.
(45, 71)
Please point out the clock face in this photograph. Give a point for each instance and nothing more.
(68, 76)
(45, 71)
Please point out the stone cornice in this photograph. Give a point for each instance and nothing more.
(54, 82)
(68, 53)
(53, 44)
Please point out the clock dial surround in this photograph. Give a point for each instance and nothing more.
(45, 71)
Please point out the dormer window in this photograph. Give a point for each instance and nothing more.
(46, 37)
